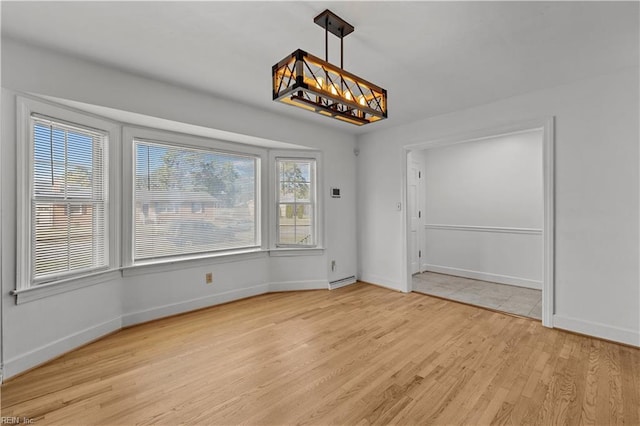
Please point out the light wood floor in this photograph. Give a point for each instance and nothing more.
(356, 355)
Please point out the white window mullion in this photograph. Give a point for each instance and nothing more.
(68, 211)
(66, 166)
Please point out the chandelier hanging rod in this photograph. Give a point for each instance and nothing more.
(338, 27)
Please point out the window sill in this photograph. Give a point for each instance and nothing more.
(169, 265)
(62, 286)
(288, 252)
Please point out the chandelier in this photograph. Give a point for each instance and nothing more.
(308, 82)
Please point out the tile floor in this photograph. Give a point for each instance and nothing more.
(507, 298)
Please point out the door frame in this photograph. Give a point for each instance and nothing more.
(420, 207)
(547, 125)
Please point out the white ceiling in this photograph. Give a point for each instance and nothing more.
(432, 57)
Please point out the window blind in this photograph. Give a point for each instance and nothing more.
(68, 199)
(192, 200)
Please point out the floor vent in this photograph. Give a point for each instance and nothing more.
(342, 282)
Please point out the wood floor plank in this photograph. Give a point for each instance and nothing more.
(359, 355)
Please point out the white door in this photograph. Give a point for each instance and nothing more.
(413, 206)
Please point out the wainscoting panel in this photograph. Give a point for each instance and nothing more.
(499, 254)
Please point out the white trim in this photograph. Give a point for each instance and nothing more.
(479, 135)
(548, 233)
(298, 285)
(499, 229)
(170, 309)
(2, 219)
(2, 156)
(127, 213)
(383, 282)
(183, 140)
(548, 260)
(406, 285)
(290, 252)
(164, 311)
(60, 346)
(484, 276)
(603, 331)
(42, 291)
(177, 264)
(23, 191)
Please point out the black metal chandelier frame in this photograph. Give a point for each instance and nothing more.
(306, 81)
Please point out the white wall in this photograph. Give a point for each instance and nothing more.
(483, 214)
(489, 182)
(38, 330)
(596, 240)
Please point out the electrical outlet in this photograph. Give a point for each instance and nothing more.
(333, 266)
(208, 277)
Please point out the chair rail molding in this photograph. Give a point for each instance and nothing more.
(501, 229)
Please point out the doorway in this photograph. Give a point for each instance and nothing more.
(480, 230)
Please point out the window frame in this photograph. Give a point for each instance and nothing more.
(276, 248)
(181, 140)
(26, 108)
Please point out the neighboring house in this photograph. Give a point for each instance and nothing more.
(55, 215)
(161, 206)
(64, 212)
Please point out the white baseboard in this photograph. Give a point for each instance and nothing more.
(381, 282)
(134, 318)
(484, 276)
(51, 350)
(298, 285)
(603, 331)
(157, 312)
